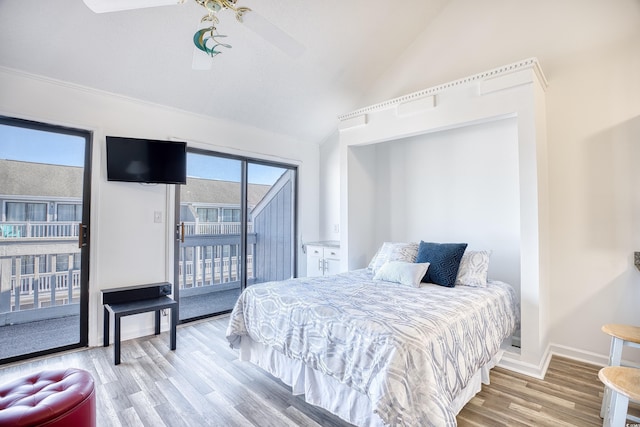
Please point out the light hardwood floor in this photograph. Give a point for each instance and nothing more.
(202, 383)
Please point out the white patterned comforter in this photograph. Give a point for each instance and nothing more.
(410, 350)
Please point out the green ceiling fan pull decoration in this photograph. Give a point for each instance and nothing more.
(200, 39)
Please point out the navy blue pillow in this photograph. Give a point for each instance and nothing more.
(444, 261)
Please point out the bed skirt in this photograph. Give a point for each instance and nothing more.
(328, 393)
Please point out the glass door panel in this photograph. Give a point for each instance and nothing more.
(209, 279)
(44, 188)
(236, 218)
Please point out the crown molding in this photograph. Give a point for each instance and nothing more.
(530, 63)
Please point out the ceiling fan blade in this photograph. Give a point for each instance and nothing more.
(102, 6)
(272, 34)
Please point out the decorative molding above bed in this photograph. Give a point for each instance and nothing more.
(432, 91)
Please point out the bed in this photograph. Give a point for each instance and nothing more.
(376, 352)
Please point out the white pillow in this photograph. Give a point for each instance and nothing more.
(390, 251)
(406, 273)
(474, 266)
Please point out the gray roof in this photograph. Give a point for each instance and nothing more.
(26, 179)
(220, 192)
(38, 179)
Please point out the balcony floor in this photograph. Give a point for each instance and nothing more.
(208, 303)
(25, 338)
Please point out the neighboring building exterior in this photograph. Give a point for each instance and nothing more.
(39, 232)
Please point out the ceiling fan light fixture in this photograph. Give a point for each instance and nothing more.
(212, 6)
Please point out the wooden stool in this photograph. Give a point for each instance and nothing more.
(621, 335)
(624, 385)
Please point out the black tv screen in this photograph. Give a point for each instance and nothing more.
(146, 160)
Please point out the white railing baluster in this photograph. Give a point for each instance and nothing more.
(46, 287)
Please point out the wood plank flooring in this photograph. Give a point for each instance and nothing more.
(202, 383)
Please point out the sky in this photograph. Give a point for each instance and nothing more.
(210, 167)
(36, 146)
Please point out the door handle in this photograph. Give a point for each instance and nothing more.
(180, 232)
(82, 235)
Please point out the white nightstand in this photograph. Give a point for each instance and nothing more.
(323, 258)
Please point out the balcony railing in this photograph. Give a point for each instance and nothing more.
(36, 296)
(44, 290)
(38, 230)
(214, 228)
(57, 230)
(208, 262)
(209, 271)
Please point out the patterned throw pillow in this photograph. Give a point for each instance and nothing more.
(474, 266)
(444, 260)
(390, 251)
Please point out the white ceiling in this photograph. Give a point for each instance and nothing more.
(147, 54)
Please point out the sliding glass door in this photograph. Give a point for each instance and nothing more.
(44, 198)
(236, 227)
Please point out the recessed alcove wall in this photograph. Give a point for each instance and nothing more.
(464, 161)
(458, 185)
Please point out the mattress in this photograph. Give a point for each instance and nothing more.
(411, 351)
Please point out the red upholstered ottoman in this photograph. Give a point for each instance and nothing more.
(61, 397)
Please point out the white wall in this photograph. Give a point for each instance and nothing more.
(589, 53)
(127, 247)
(594, 156)
(330, 188)
(460, 185)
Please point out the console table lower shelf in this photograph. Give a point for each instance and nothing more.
(122, 309)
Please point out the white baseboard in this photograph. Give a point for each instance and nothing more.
(512, 362)
(580, 355)
(587, 356)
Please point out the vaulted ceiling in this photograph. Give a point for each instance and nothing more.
(351, 53)
(147, 54)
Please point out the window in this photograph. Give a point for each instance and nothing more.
(21, 211)
(62, 262)
(230, 250)
(207, 214)
(27, 264)
(230, 215)
(68, 212)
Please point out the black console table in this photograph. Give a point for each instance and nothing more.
(134, 300)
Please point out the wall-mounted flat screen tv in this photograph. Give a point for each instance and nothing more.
(146, 160)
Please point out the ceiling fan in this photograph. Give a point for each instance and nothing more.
(207, 39)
